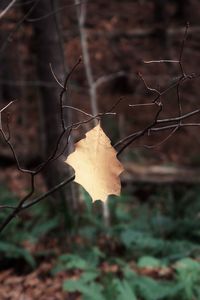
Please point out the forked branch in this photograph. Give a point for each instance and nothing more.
(158, 124)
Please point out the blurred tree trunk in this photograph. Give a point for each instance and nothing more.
(182, 11)
(9, 71)
(47, 48)
(160, 17)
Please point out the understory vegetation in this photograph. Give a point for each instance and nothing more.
(150, 251)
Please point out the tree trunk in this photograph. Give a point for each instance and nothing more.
(47, 49)
(160, 20)
(9, 71)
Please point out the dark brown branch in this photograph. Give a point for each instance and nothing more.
(127, 142)
(12, 33)
(8, 7)
(155, 126)
(182, 49)
(7, 141)
(190, 114)
(18, 208)
(51, 191)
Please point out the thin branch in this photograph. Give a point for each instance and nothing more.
(190, 114)
(115, 104)
(7, 206)
(160, 61)
(164, 140)
(65, 89)
(55, 77)
(51, 191)
(18, 207)
(132, 137)
(148, 87)
(168, 127)
(64, 130)
(106, 78)
(142, 104)
(11, 34)
(7, 141)
(127, 142)
(182, 49)
(54, 12)
(120, 145)
(4, 108)
(77, 109)
(2, 14)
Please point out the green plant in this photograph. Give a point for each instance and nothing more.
(151, 233)
(188, 277)
(86, 286)
(35, 227)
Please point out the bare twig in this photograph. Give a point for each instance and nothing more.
(55, 77)
(190, 114)
(53, 12)
(129, 140)
(48, 193)
(125, 142)
(40, 168)
(164, 140)
(157, 125)
(77, 109)
(161, 61)
(182, 49)
(2, 14)
(18, 208)
(4, 108)
(11, 34)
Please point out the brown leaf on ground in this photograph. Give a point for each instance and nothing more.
(36, 285)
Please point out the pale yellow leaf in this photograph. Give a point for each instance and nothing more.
(96, 167)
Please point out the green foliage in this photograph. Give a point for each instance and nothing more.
(163, 231)
(10, 250)
(188, 275)
(149, 261)
(161, 227)
(133, 286)
(87, 260)
(159, 233)
(36, 226)
(70, 261)
(128, 286)
(124, 290)
(150, 289)
(86, 286)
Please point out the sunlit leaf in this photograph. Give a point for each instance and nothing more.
(96, 167)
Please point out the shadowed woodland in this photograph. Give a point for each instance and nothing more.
(131, 66)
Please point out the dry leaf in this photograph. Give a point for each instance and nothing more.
(96, 167)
